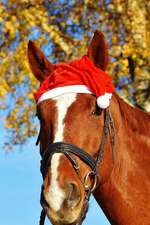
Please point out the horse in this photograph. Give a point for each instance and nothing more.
(123, 191)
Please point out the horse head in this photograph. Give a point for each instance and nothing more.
(69, 121)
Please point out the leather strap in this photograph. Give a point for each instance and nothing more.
(61, 147)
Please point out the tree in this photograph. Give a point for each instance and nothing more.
(63, 29)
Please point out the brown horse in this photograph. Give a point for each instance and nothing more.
(124, 189)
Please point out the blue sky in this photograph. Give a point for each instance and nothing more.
(20, 182)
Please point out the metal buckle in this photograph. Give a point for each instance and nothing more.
(95, 178)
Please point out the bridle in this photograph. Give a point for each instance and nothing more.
(69, 151)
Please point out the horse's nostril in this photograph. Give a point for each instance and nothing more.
(73, 194)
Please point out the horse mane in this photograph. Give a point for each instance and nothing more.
(135, 118)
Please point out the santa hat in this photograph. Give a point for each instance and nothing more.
(79, 76)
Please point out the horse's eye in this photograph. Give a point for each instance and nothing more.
(97, 111)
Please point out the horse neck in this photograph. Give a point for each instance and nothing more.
(124, 196)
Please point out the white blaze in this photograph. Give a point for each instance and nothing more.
(55, 196)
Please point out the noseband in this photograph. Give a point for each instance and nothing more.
(70, 151)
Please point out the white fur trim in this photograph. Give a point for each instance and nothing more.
(104, 100)
(62, 90)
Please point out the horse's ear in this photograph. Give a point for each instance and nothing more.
(38, 62)
(98, 50)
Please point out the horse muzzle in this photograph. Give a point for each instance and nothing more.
(70, 208)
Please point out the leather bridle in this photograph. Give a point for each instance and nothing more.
(70, 151)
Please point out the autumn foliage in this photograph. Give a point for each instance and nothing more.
(63, 29)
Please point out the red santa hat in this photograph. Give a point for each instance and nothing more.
(79, 76)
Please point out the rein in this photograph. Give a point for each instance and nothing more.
(69, 151)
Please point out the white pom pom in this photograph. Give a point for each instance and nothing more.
(104, 100)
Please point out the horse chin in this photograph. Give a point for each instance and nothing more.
(60, 217)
